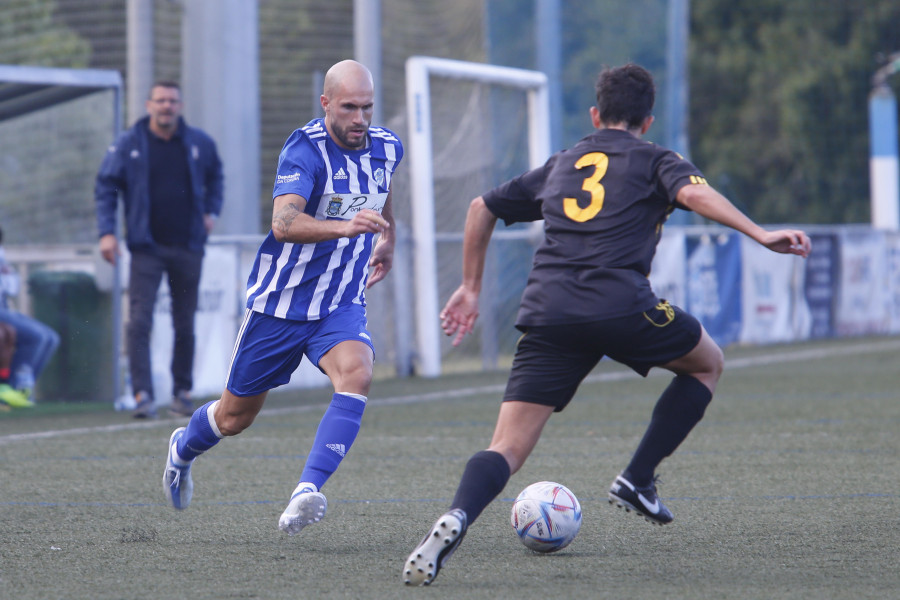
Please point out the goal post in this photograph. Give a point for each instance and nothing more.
(419, 70)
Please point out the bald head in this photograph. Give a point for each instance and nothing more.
(345, 75)
(348, 98)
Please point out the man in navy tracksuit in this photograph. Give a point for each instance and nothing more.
(170, 178)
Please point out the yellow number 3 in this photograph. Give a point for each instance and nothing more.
(600, 162)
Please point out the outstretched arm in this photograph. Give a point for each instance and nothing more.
(461, 310)
(707, 202)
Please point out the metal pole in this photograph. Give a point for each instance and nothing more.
(676, 77)
(677, 88)
(367, 45)
(220, 80)
(549, 61)
(139, 38)
(884, 165)
(117, 363)
(425, 266)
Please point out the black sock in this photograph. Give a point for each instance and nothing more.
(678, 410)
(484, 478)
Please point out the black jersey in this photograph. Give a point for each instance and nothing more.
(603, 202)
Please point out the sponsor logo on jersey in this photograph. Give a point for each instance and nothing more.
(341, 174)
(287, 178)
(343, 206)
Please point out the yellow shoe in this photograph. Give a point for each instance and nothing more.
(13, 397)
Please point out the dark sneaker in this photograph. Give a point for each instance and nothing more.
(181, 405)
(642, 501)
(177, 483)
(145, 408)
(426, 560)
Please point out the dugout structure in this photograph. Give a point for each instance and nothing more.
(55, 125)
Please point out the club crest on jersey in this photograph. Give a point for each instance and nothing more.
(334, 206)
(379, 176)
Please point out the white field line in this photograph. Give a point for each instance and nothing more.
(737, 363)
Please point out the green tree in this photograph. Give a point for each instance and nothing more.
(30, 35)
(779, 93)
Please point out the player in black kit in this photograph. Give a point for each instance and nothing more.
(604, 202)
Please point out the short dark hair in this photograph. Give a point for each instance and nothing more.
(625, 95)
(165, 83)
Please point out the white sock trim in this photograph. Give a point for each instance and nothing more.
(359, 397)
(176, 458)
(211, 417)
(304, 484)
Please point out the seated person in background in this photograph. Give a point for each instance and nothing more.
(33, 343)
(9, 396)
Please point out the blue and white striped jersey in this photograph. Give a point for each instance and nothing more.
(305, 282)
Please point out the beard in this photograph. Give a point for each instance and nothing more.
(351, 139)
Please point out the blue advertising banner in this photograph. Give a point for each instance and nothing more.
(773, 307)
(892, 247)
(821, 283)
(863, 296)
(714, 284)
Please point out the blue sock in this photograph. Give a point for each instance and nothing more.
(200, 435)
(336, 433)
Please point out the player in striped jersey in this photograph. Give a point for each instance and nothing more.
(306, 291)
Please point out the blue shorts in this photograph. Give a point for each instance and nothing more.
(268, 350)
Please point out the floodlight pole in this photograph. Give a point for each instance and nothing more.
(884, 163)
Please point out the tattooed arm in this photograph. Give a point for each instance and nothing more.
(291, 224)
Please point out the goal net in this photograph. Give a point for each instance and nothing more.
(471, 126)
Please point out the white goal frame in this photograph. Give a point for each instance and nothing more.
(418, 108)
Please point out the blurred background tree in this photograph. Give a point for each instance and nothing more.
(31, 35)
(778, 90)
(779, 100)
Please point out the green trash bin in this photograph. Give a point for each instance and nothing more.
(81, 368)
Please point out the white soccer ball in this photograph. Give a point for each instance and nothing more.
(546, 516)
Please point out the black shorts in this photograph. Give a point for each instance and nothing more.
(552, 360)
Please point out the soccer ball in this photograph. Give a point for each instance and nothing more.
(546, 516)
